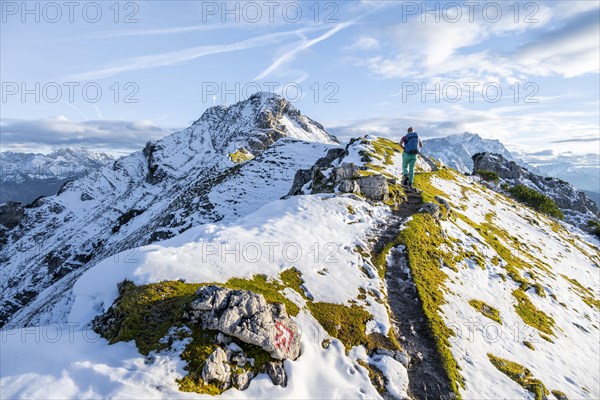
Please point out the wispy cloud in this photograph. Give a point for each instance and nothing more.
(303, 45)
(163, 31)
(180, 56)
(576, 140)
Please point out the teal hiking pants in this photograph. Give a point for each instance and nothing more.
(408, 166)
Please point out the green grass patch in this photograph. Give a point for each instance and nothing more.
(241, 155)
(145, 314)
(530, 314)
(536, 200)
(423, 238)
(521, 375)
(559, 395)
(546, 338)
(347, 323)
(529, 345)
(292, 278)
(489, 176)
(386, 149)
(424, 182)
(487, 310)
(270, 289)
(586, 294)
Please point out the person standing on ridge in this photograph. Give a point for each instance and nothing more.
(411, 145)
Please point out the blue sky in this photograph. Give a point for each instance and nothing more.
(357, 67)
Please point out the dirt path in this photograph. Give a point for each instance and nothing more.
(427, 378)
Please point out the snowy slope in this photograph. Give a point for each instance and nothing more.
(175, 183)
(488, 236)
(570, 362)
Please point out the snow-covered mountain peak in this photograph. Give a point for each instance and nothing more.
(256, 123)
(456, 150)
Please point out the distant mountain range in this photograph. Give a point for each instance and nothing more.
(27, 176)
(456, 152)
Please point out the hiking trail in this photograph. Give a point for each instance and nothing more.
(427, 378)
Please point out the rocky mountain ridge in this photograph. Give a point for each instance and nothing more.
(185, 179)
(577, 207)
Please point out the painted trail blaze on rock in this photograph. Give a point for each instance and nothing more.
(247, 316)
(283, 337)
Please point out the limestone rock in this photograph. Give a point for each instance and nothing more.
(247, 316)
(242, 380)
(277, 373)
(216, 369)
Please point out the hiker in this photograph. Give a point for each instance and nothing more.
(411, 145)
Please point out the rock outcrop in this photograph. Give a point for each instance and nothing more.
(248, 317)
(330, 174)
(576, 206)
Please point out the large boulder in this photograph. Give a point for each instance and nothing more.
(247, 316)
(374, 186)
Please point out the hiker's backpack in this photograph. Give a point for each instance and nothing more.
(412, 143)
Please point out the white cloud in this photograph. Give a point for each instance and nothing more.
(363, 43)
(567, 44)
(571, 51)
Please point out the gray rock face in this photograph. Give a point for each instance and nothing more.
(11, 213)
(432, 209)
(374, 186)
(216, 369)
(277, 373)
(326, 177)
(247, 316)
(445, 204)
(577, 207)
(242, 380)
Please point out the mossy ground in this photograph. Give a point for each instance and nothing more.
(349, 325)
(487, 310)
(146, 313)
(530, 314)
(521, 375)
(559, 395)
(292, 278)
(529, 345)
(241, 155)
(586, 294)
(424, 182)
